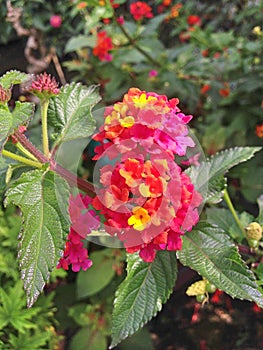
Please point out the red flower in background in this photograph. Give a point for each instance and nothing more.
(204, 89)
(104, 44)
(115, 6)
(259, 131)
(225, 91)
(194, 20)
(140, 10)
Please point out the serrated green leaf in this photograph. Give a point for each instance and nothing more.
(98, 276)
(208, 175)
(22, 113)
(43, 198)
(141, 295)
(208, 250)
(9, 121)
(70, 112)
(13, 77)
(216, 189)
(5, 125)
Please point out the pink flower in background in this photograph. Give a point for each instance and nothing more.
(55, 21)
(153, 73)
(120, 20)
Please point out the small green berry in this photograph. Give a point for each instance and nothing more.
(210, 288)
(253, 243)
(200, 298)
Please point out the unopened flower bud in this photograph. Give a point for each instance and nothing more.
(202, 298)
(5, 94)
(210, 288)
(44, 86)
(254, 231)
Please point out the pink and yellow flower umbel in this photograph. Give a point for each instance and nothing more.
(147, 200)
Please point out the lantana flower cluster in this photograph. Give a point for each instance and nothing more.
(103, 46)
(147, 200)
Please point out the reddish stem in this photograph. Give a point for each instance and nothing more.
(71, 178)
(30, 147)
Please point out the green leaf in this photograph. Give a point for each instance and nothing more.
(22, 113)
(5, 125)
(87, 339)
(43, 198)
(4, 166)
(9, 121)
(260, 206)
(13, 77)
(13, 310)
(141, 340)
(70, 112)
(141, 295)
(98, 276)
(208, 175)
(80, 41)
(208, 250)
(223, 218)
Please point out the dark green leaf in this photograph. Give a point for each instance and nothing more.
(141, 295)
(223, 218)
(260, 206)
(208, 250)
(86, 339)
(43, 198)
(141, 340)
(208, 175)
(70, 112)
(216, 189)
(98, 276)
(13, 77)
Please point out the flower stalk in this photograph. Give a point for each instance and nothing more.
(22, 149)
(232, 210)
(44, 107)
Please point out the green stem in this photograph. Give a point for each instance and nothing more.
(133, 43)
(44, 106)
(21, 159)
(25, 151)
(232, 210)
